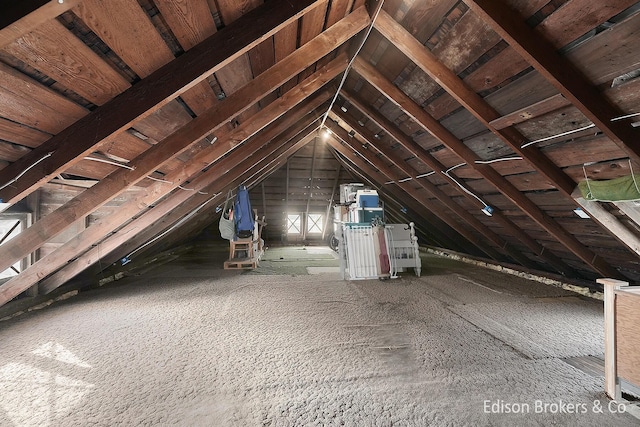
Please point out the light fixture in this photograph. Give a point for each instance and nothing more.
(487, 210)
(352, 133)
(581, 213)
(214, 139)
(60, 1)
(343, 108)
(326, 133)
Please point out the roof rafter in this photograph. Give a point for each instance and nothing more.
(20, 17)
(393, 175)
(162, 86)
(468, 98)
(570, 82)
(218, 179)
(438, 167)
(434, 191)
(449, 81)
(118, 181)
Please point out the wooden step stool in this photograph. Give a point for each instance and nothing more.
(241, 245)
(241, 255)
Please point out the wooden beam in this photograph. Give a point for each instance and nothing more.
(416, 150)
(439, 230)
(329, 215)
(313, 167)
(559, 71)
(171, 209)
(468, 98)
(145, 164)
(611, 381)
(485, 113)
(434, 191)
(609, 221)
(392, 175)
(96, 232)
(275, 134)
(20, 17)
(432, 126)
(545, 106)
(148, 95)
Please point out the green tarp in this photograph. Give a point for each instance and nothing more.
(611, 190)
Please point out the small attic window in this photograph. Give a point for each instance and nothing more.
(314, 223)
(293, 224)
(10, 227)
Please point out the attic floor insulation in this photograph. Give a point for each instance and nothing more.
(188, 343)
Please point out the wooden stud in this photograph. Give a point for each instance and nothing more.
(148, 95)
(98, 230)
(542, 55)
(119, 180)
(612, 386)
(416, 150)
(485, 113)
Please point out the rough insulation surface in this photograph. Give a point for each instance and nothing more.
(191, 344)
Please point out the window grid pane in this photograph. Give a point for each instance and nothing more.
(314, 223)
(293, 224)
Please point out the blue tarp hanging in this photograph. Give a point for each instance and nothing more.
(243, 214)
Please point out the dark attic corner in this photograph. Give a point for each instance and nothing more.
(413, 212)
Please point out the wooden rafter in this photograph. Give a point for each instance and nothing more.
(477, 106)
(171, 209)
(392, 175)
(257, 171)
(80, 139)
(20, 17)
(434, 191)
(485, 113)
(313, 167)
(438, 230)
(560, 72)
(118, 181)
(416, 150)
(96, 231)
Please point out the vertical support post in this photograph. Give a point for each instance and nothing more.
(611, 383)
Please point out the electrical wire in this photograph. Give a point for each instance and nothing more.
(503, 159)
(460, 185)
(350, 64)
(26, 170)
(555, 136)
(159, 180)
(425, 174)
(110, 162)
(625, 116)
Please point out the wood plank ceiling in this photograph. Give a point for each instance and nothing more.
(444, 106)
